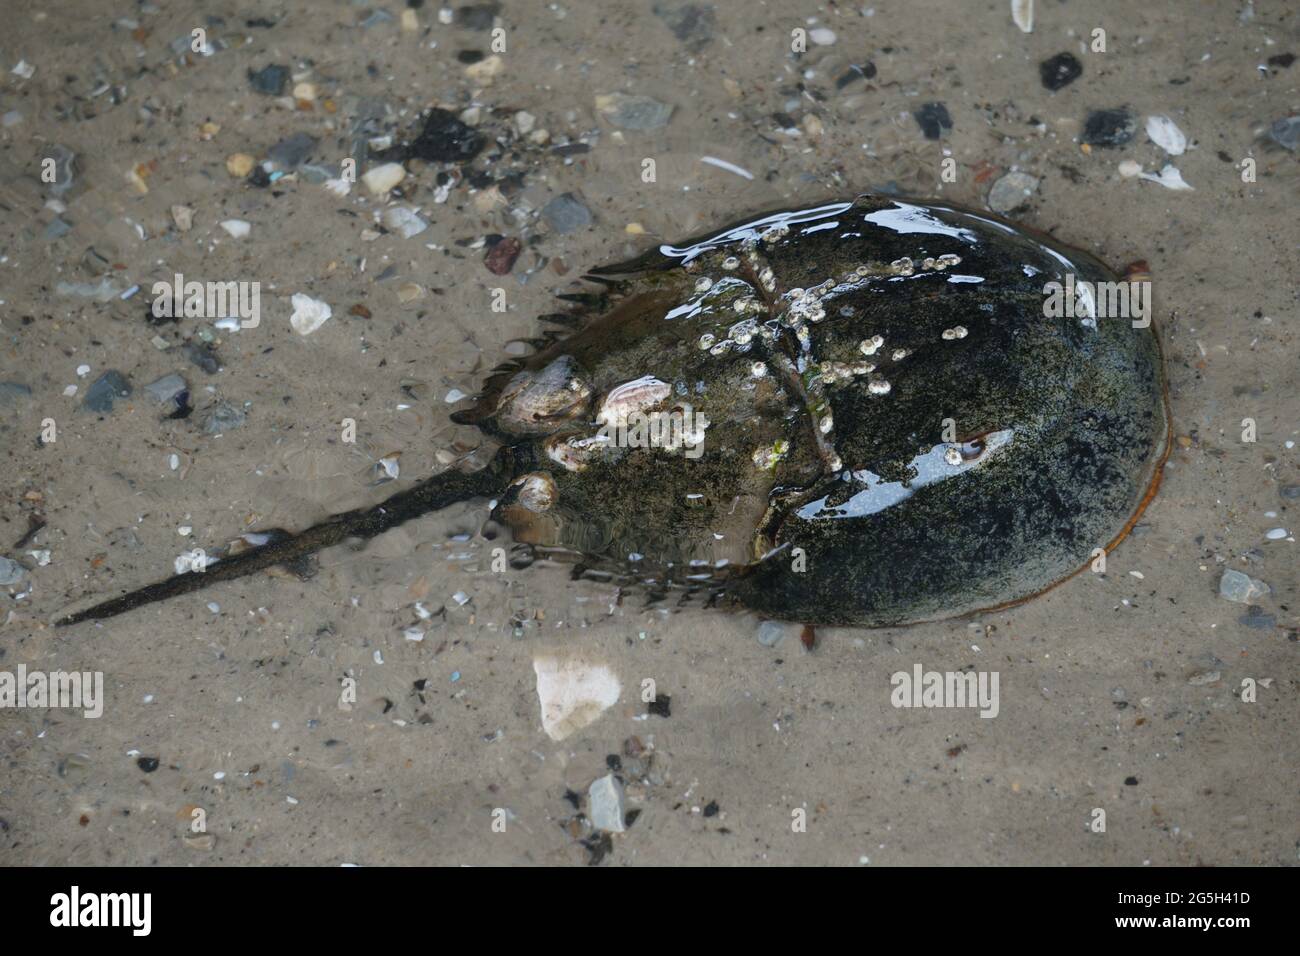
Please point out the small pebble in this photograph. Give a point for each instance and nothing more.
(933, 119)
(308, 314)
(1242, 588)
(1060, 71)
(1109, 128)
(105, 390)
(605, 804)
(633, 111)
(221, 418)
(11, 572)
(566, 213)
(1011, 191)
(383, 178)
(270, 80)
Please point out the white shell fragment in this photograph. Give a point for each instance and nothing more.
(573, 694)
(1169, 177)
(1022, 12)
(1165, 133)
(236, 227)
(308, 314)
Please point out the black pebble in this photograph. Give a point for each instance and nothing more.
(1060, 71)
(1130, 781)
(147, 764)
(661, 706)
(445, 139)
(1109, 128)
(711, 808)
(933, 119)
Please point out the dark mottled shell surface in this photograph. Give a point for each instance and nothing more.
(880, 424)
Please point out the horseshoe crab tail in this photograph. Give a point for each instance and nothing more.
(430, 495)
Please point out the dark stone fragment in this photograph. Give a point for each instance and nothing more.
(1290, 492)
(292, 151)
(1256, 618)
(1282, 60)
(204, 358)
(470, 56)
(933, 119)
(598, 847)
(711, 808)
(661, 706)
(270, 80)
(478, 16)
(1130, 781)
(1060, 71)
(691, 23)
(105, 390)
(445, 139)
(147, 764)
(1109, 128)
(855, 72)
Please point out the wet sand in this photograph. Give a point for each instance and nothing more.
(1121, 692)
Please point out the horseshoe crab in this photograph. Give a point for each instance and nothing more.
(856, 413)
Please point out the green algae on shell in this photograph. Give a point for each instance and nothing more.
(855, 413)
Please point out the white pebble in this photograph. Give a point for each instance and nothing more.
(308, 314)
(383, 178)
(236, 227)
(1276, 534)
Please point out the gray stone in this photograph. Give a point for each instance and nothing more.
(1242, 588)
(292, 151)
(1256, 618)
(106, 389)
(691, 23)
(270, 80)
(605, 804)
(1286, 132)
(1290, 492)
(316, 173)
(166, 388)
(1012, 190)
(222, 417)
(633, 111)
(57, 229)
(770, 633)
(12, 391)
(566, 213)
(11, 572)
